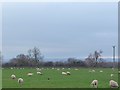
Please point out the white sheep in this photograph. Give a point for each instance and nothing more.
(101, 71)
(68, 73)
(76, 69)
(64, 73)
(68, 68)
(113, 69)
(20, 80)
(52, 68)
(119, 72)
(30, 74)
(113, 84)
(94, 83)
(39, 73)
(93, 70)
(58, 69)
(111, 75)
(13, 76)
(38, 69)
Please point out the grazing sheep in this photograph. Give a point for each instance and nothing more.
(30, 74)
(11, 68)
(38, 69)
(13, 76)
(58, 69)
(20, 80)
(64, 73)
(52, 68)
(68, 68)
(68, 73)
(101, 71)
(94, 83)
(113, 84)
(39, 73)
(113, 69)
(112, 75)
(76, 69)
(93, 70)
(119, 72)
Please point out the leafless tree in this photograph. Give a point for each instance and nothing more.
(35, 54)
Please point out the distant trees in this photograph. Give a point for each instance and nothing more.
(93, 59)
(90, 60)
(33, 58)
(20, 60)
(72, 62)
(35, 54)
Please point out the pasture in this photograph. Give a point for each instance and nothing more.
(80, 78)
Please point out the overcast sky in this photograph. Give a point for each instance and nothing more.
(59, 30)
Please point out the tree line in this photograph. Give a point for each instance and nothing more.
(34, 58)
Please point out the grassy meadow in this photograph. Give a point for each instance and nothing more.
(80, 78)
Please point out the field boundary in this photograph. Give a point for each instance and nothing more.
(60, 88)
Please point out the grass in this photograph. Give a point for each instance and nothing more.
(78, 79)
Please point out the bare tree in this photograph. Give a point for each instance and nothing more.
(90, 60)
(97, 56)
(35, 54)
(93, 59)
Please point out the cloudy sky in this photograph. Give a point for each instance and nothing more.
(59, 30)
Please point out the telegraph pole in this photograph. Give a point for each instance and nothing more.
(113, 56)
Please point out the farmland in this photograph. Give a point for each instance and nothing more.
(80, 78)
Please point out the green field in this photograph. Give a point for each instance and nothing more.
(80, 78)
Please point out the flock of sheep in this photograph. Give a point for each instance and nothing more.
(112, 83)
(94, 83)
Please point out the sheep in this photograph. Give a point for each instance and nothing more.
(11, 68)
(113, 69)
(119, 72)
(64, 73)
(58, 69)
(113, 84)
(94, 83)
(68, 68)
(13, 76)
(20, 80)
(93, 70)
(38, 69)
(112, 75)
(101, 71)
(39, 73)
(76, 69)
(30, 74)
(52, 68)
(68, 73)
